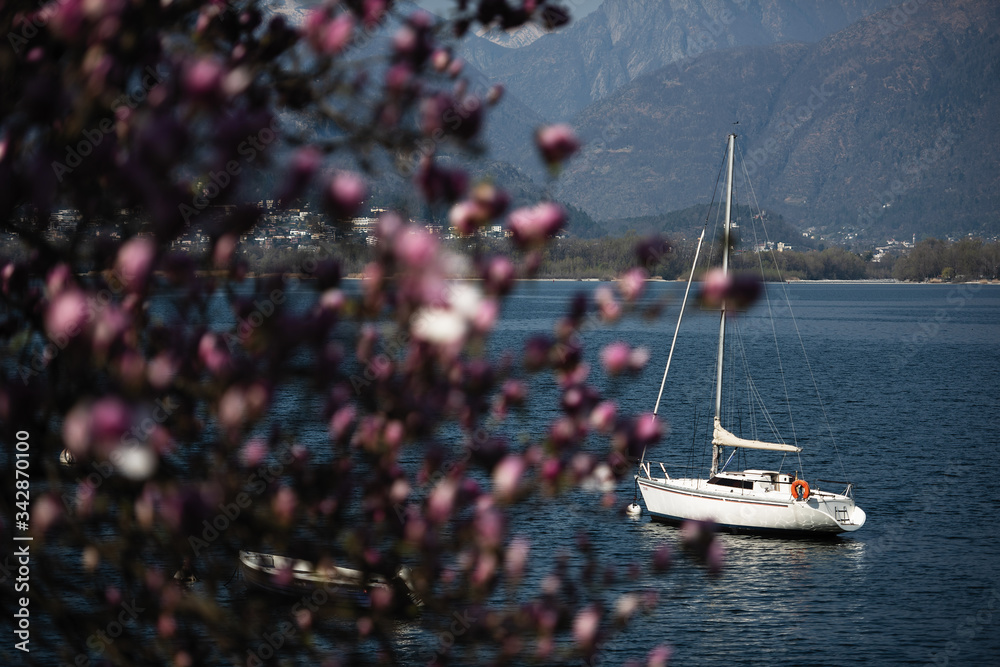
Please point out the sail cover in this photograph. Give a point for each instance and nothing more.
(726, 439)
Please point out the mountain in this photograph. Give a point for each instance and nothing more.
(559, 74)
(882, 128)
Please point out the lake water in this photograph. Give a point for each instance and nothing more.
(910, 382)
(909, 378)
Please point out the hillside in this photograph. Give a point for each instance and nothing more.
(560, 74)
(877, 130)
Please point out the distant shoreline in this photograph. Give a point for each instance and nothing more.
(864, 281)
(684, 280)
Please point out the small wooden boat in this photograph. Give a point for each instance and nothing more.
(292, 576)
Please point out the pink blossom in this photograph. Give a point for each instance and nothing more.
(160, 371)
(232, 408)
(516, 556)
(76, 430)
(393, 434)
(499, 276)
(345, 193)
(585, 627)
(491, 200)
(515, 391)
(301, 168)
(166, 625)
(110, 419)
(284, 503)
(563, 432)
(224, 249)
(638, 358)
(341, 422)
(615, 357)
(486, 567)
(66, 315)
(212, 354)
(507, 476)
(45, 512)
(530, 227)
(602, 417)
(714, 287)
(135, 261)
(440, 59)
(556, 143)
(373, 11)
(632, 283)
(337, 34)
(551, 470)
(489, 527)
(405, 40)
(60, 279)
(111, 324)
(398, 78)
(203, 79)
(465, 217)
(442, 501)
(332, 300)
(485, 316)
(253, 452)
(659, 656)
(416, 249)
(607, 305)
(648, 429)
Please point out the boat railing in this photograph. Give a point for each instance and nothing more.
(848, 486)
(644, 467)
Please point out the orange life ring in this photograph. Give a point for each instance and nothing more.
(804, 485)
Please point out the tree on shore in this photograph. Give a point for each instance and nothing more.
(160, 373)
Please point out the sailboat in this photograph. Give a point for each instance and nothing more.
(753, 500)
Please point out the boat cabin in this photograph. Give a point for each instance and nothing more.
(752, 480)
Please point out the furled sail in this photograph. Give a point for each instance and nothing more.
(724, 438)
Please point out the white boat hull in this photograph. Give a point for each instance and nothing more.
(748, 510)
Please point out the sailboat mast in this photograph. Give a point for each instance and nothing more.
(717, 449)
